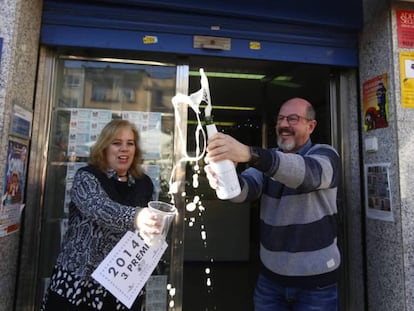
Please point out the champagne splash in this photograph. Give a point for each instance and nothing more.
(205, 94)
(193, 101)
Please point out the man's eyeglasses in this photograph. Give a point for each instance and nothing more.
(292, 119)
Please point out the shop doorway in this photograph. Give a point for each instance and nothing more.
(221, 243)
(222, 239)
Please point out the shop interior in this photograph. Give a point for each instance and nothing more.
(221, 245)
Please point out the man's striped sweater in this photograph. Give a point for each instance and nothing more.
(298, 231)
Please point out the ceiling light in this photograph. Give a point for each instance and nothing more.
(282, 78)
(285, 83)
(229, 75)
(230, 107)
(219, 123)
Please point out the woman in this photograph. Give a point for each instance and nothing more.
(107, 197)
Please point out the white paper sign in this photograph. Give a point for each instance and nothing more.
(128, 266)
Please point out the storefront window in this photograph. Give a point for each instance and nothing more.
(86, 96)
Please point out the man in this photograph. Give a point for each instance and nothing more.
(297, 185)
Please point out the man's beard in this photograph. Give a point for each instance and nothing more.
(285, 146)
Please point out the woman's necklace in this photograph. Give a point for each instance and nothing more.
(122, 177)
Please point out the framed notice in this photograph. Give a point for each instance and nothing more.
(21, 123)
(407, 79)
(405, 28)
(377, 192)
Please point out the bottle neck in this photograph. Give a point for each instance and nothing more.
(209, 120)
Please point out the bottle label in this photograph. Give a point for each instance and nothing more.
(228, 184)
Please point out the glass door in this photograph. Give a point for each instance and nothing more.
(86, 94)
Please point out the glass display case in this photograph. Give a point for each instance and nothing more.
(86, 95)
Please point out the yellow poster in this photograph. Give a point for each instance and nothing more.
(407, 79)
(375, 101)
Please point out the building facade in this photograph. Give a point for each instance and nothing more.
(128, 58)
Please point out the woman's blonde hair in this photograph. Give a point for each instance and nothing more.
(98, 152)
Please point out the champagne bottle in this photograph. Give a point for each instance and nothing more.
(228, 183)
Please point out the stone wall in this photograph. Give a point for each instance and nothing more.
(19, 29)
(389, 242)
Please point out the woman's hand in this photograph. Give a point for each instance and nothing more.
(147, 222)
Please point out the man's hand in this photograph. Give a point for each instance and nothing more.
(211, 177)
(222, 147)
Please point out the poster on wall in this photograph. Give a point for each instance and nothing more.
(407, 79)
(149, 127)
(375, 102)
(21, 122)
(85, 127)
(405, 28)
(13, 190)
(377, 192)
